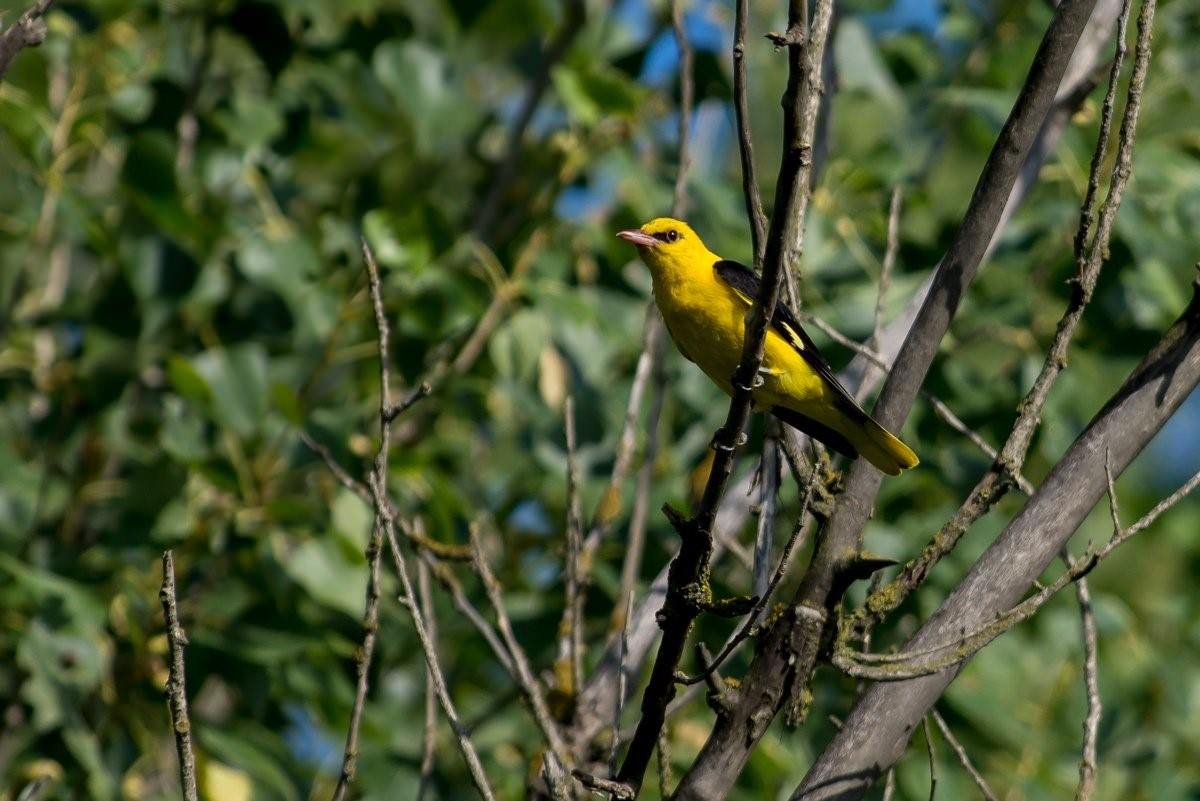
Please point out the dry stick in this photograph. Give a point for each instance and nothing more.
(1089, 261)
(28, 31)
(429, 741)
(385, 521)
(881, 722)
(1091, 683)
(664, 762)
(889, 785)
(932, 758)
(689, 569)
(362, 663)
(531, 690)
(574, 15)
(787, 654)
(963, 758)
(741, 105)
(570, 636)
(177, 680)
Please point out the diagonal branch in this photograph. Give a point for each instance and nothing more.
(876, 731)
(28, 31)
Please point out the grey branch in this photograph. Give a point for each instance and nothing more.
(177, 681)
(1091, 683)
(963, 758)
(881, 723)
(28, 31)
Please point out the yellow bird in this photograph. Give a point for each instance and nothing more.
(705, 301)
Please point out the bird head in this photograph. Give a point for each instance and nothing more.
(664, 243)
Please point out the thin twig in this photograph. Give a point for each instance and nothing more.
(741, 105)
(885, 280)
(429, 740)
(963, 758)
(925, 661)
(177, 681)
(531, 690)
(933, 777)
(385, 521)
(664, 763)
(768, 484)
(1091, 684)
(362, 659)
(622, 680)
(889, 785)
(635, 542)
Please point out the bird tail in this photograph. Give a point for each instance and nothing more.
(881, 448)
(853, 436)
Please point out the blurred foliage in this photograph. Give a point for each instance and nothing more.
(185, 185)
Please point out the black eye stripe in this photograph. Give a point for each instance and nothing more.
(667, 236)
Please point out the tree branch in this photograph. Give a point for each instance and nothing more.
(882, 721)
(741, 106)
(28, 31)
(177, 680)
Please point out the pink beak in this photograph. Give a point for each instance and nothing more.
(638, 238)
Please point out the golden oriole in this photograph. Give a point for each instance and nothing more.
(705, 301)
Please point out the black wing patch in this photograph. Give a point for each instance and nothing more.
(745, 283)
(818, 431)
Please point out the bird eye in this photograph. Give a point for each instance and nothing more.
(672, 236)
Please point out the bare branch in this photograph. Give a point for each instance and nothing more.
(362, 659)
(429, 741)
(385, 522)
(879, 726)
(686, 93)
(761, 602)
(177, 680)
(28, 31)
(933, 778)
(1091, 684)
(963, 758)
(741, 105)
(531, 690)
(768, 485)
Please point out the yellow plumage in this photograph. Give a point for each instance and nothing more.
(705, 302)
